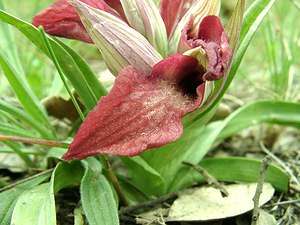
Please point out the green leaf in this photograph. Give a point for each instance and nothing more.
(253, 113)
(22, 116)
(17, 149)
(94, 84)
(6, 40)
(9, 198)
(67, 63)
(235, 169)
(96, 195)
(66, 175)
(15, 131)
(132, 193)
(252, 19)
(197, 141)
(35, 207)
(24, 93)
(270, 111)
(142, 173)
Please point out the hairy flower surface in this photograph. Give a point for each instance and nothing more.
(163, 58)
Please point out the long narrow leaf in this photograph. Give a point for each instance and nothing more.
(236, 169)
(284, 113)
(94, 84)
(141, 173)
(6, 40)
(67, 63)
(22, 116)
(254, 113)
(14, 131)
(97, 197)
(24, 93)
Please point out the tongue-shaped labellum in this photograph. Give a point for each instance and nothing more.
(140, 112)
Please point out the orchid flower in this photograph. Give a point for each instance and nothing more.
(164, 58)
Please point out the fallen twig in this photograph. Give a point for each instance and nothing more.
(209, 178)
(280, 162)
(287, 216)
(262, 174)
(147, 205)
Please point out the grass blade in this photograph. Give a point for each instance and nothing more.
(67, 63)
(96, 87)
(6, 39)
(60, 72)
(24, 93)
(22, 116)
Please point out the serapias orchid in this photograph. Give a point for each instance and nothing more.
(165, 60)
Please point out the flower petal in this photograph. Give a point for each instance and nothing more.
(211, 48)
(116, 5)
(195, 14)
(172, 11)
(211, 29)
(183, 71)
(143, 16)
(119, 44)
(60, 19)
(139, 113)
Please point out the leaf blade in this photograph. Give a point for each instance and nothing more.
(9, 198)
(37, 206)
(97, 197)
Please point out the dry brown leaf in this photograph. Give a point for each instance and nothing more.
(207, 203)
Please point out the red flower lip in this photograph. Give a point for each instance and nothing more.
(141, 111)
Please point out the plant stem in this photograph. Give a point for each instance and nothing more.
(114, 180)
(25, 179)
(263, 170)
(60, 72)
(34, 141)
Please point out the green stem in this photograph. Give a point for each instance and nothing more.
(25, 179)
(114, 180)
(60, 72)
(34, 141)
